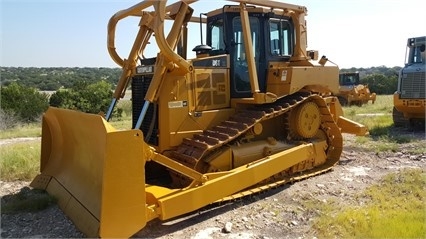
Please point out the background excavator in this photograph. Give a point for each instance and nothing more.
(253, 110)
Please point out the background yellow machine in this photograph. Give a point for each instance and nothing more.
(410, 99)
(253, 110)
(351, 92)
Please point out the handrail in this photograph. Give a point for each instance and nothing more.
(112, 27)
(274, 4)
(140, 42)
(136, 10)
(154, 24)
(166, 50)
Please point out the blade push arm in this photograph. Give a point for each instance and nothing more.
(150, 23)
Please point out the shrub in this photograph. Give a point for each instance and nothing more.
(7, 120)
(381, 84)
(89, 98)
(26, 103)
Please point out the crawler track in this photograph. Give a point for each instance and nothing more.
(192, 150)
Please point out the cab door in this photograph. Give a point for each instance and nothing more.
(240, 82)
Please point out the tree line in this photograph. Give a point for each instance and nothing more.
(55, 78)
(22, 104)
(90, 89)
(381, 80)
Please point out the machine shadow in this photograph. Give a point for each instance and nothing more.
(158, 228)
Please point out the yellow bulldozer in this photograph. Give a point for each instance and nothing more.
(253, 109)
(410, 98)
(351, 92)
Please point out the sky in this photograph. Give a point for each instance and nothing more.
(73, 33)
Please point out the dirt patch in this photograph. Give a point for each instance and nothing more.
(18, 140)
(277, 213)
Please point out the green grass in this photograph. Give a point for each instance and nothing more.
(383, 136)
(394, 209)
(125, 121)
(26, 200)
(23, 130)
(20, 161)
(122, 124)
(383, 104)
(126, 106)
(377, 117)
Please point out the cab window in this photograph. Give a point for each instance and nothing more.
(280, 37)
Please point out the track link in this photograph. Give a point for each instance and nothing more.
(191, 150)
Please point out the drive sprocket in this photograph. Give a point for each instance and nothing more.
(305, 121)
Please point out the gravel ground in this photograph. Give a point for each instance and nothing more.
(277, 213)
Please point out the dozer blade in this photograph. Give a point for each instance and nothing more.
(95, 172)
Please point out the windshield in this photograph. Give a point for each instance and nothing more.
(416, 54)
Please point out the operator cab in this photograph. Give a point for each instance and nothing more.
(348, 79)
(272, 40)
(416, 51)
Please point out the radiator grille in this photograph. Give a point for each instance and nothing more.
(413, 85)
(140, 86)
